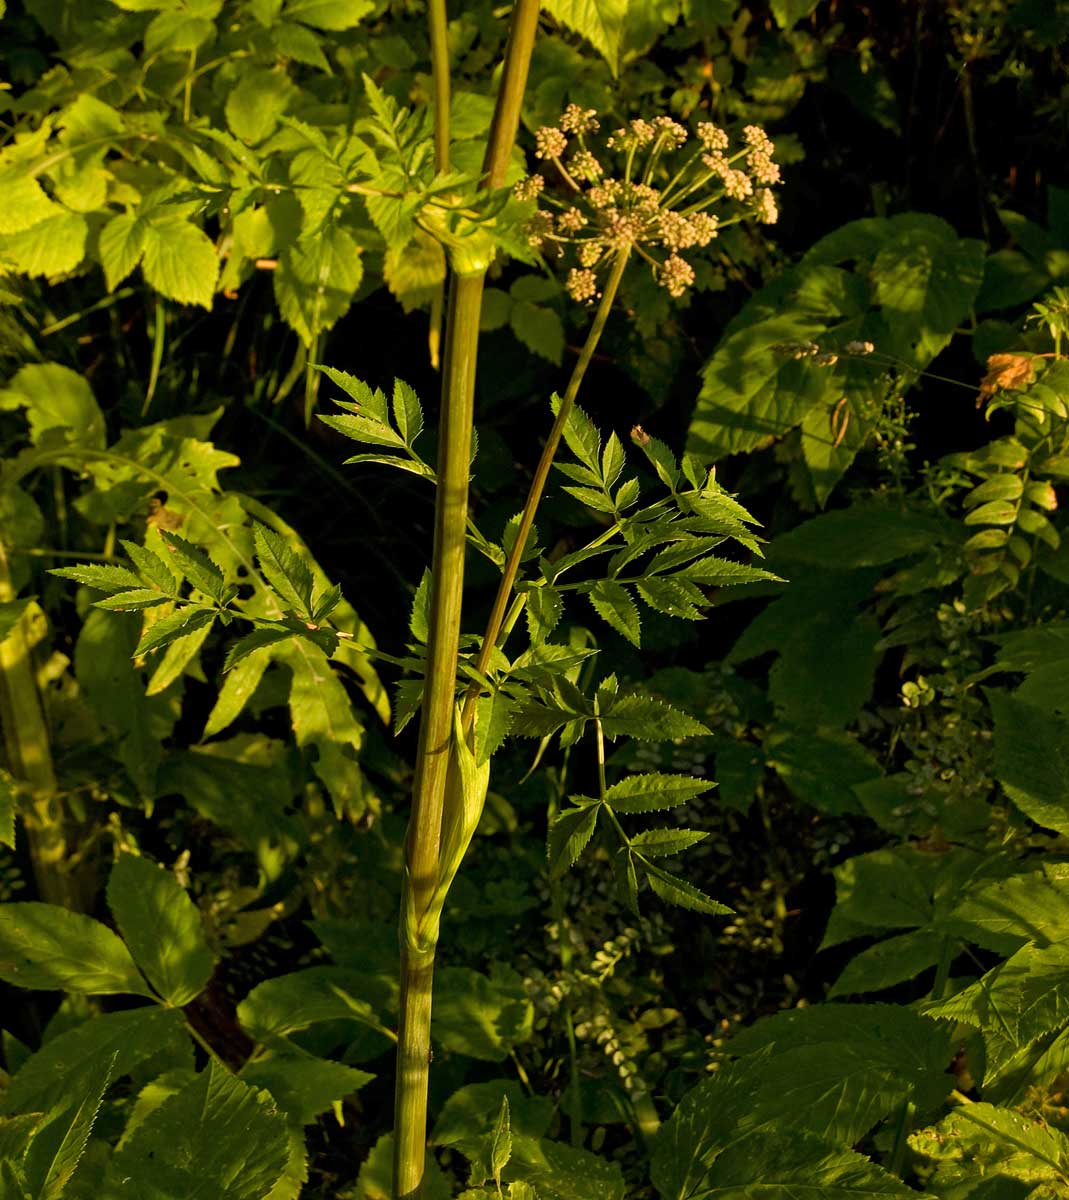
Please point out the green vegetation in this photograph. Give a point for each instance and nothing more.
(534, 652)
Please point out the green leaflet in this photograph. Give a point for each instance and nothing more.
(288, 1003)
(162, 927)
(601, 22)
(1032, 759)
(304, 1087)
(60, 1140)
(43, 946)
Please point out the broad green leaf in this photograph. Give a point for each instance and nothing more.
(647, 793)
(178, 32)
(332, 15)
(179, 260)
(1032, 759)
(863, 535)
(468, 1115)
(558, 1172)
(287, 1003)
(162, 927)
(815, 620)
(821, 766)
(1014, 1004)
(1005, 913)
(478, 1015)
(87, 1051)
(539, 329)
(50, 247)
(323, 718)
(612, 602)
(216, 1138)
(23, 202)
(883, 890)
(152, 568)
(569, 835)
(56, 398)
(835, 1070)
(60, 1141)
(601, 22)
(46, 947)
(316, 279)
(121, 247)
(304, 1087)
(981, 1140)
(182, 622)
(284, 570)
(892, 961)
(256, 102)
(789, 12)
(778, 1167)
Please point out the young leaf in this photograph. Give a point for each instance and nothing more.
(59, 1143)
(674, 890)
(581, 436)
(261, 636)
(646, 793)
(162, 927)
(662, 843)
(197, 567)
(501, 1142)
(285, 571)
(420, 616)
(133, 600)
(569, 835)
(239, 684)
(103, 577)
(176, 658)
(152, 568)
(613, 603)
(407, 412)
(46, 947)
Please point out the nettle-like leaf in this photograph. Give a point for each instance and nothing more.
(984, 1142)
(1014, 1005)
(216, 1133)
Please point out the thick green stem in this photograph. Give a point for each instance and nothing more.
(435, 732)
(538, 483)
(436, 719)
(29, 757)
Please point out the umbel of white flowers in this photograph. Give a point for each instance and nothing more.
(651, 189)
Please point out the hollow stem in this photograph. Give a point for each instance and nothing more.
(436, 720)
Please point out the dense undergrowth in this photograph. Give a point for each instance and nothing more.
(767, 891)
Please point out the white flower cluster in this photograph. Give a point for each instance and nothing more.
(648, 200)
